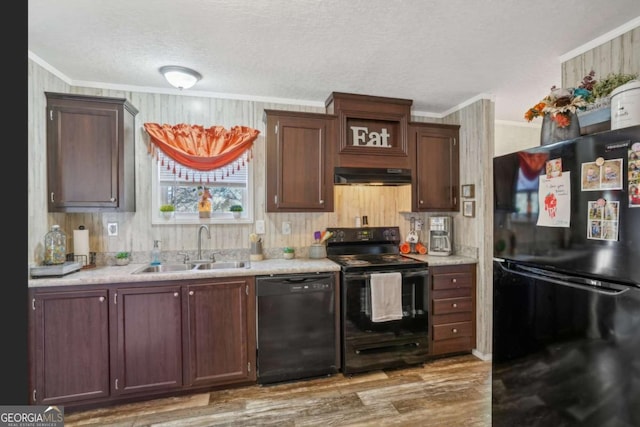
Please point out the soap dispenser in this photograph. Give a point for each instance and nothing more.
(155, 254)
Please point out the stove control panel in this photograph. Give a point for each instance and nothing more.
(364, 234)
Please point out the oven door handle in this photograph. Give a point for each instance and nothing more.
(424, 273)
(413, 273)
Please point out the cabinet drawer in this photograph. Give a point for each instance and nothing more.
(452, 330)
(452, 305)
(465, 316)
(451, 293)
(452, 281)
(454, 345)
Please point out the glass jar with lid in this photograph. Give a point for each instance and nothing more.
(55, 246)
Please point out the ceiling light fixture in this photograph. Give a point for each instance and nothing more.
(180, 77)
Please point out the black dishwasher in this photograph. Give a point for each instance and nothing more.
(296, 327)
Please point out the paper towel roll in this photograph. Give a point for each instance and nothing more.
(81, 246)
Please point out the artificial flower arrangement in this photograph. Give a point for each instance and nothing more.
(561, 103)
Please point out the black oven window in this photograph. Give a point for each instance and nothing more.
(414, 305)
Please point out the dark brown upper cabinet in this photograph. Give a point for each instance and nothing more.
(90, 153)
(436, 167)
(299, 169)
(372, 130)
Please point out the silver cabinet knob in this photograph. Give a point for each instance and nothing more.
(190, 292)
(101, 299)
(454, 280)
(454, 305)
(175, 294)
(454, 330)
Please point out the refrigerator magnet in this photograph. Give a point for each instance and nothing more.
(634, 196)
(603, 219)
(612, 174)
(634, 176)
(590, 177)
(554, 168)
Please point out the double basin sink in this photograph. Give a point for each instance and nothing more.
(190, 266)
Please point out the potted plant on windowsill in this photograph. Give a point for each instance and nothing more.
(122, 258)
(288, 252)
(167, 211)
(236, 210)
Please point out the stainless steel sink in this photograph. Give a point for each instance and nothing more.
(219, 265)
(163, 268)
(192, 266)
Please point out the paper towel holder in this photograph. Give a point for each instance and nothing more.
(82, 253)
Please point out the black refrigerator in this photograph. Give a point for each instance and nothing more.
(566, 283)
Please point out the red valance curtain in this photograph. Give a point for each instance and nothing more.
(199, 148)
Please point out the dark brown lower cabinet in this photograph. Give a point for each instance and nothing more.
(69, 342)
(453, 309)
(147, 355)
(220, 334)
(92, 345)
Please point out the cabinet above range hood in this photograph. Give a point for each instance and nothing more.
(371, 176)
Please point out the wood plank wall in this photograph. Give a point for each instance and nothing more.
(619, 55)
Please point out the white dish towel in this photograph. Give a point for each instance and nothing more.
(386, 296)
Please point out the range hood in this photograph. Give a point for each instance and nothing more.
(371, 176)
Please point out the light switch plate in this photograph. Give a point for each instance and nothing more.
(259, 226)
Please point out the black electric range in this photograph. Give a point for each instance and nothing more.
(365, 255)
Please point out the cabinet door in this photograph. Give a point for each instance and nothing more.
(89, 154)
(220, 340)
(148, 346)
(69, 346)
(436, 168)
(298, 174)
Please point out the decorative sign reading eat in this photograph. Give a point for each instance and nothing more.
(361, 137)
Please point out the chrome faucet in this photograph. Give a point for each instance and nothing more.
(202, 227)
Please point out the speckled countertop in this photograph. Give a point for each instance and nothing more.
(123, 274)
(444, 260)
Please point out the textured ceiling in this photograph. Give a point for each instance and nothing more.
(439, 53)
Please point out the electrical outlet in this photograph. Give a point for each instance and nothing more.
(259, 226)
(112, 229)
(286, 227)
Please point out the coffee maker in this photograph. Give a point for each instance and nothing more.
(440, 235)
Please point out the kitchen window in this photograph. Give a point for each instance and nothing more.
(185, 190)
(201, 172)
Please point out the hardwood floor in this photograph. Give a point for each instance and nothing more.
(453, 391)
